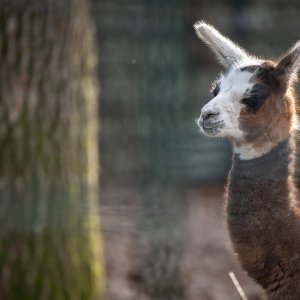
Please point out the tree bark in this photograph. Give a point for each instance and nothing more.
(49, 238)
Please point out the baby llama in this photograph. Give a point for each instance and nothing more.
(254, 106)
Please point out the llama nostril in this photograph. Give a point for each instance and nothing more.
(209, 114)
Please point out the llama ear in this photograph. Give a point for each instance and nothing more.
(227, 52)
(289, 64)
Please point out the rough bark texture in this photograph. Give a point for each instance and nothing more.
(49, 238)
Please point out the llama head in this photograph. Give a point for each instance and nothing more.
(253, 103)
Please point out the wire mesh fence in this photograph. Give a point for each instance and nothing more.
(161, 182)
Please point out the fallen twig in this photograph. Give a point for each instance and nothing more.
(237, 286)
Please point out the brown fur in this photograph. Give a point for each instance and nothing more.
(272, 123)
(263, 214)
(262, 205)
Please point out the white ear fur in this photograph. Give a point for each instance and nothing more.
(289, 64)
(228, 53)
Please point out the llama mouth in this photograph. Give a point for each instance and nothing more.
(207, 125)
(211, 128)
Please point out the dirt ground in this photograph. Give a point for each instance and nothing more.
(207, 257)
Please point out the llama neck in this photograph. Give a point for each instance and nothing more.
(274, 166)
(259, 208)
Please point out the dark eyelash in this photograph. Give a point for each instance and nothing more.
(253, 101)
(258, 95)
(216, 89)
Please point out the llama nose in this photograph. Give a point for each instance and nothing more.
(208, 114)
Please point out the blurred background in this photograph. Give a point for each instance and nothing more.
(161, 181)
(125, 79)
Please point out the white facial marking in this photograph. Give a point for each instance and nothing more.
(220, 116)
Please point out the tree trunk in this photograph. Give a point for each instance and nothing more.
(49, 238)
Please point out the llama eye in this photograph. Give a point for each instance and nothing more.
(257, 97)
(216, 90)
(252, 101)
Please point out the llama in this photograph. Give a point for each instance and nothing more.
(254, 106)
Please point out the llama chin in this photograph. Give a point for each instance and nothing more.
(254, 105)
